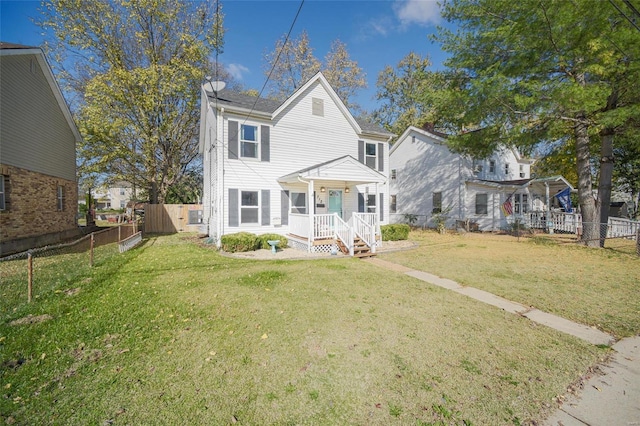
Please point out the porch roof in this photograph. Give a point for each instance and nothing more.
(555, 183)
(344, 169)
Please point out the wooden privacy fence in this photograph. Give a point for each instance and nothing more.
(171, 218)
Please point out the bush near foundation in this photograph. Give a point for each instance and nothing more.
(395, 232)
(239, 242)
(271, 237)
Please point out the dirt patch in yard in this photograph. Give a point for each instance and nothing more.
(30, 319)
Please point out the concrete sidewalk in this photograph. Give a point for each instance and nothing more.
(612, 398)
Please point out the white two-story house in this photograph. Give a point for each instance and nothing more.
(426, 179)
(304, 168)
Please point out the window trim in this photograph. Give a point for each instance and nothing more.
(393, 203)
(506, 169)
(242, 141)
(293, 208)
(486, 204)
(492, 166)
(374, 156)
(243, 207)
(3, 193)
(60, 198)
(370, 208)
(436, 207)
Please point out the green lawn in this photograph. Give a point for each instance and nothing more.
(597, 287)
(174, 333)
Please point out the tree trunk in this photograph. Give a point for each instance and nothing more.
(606, 175)
(590, 226)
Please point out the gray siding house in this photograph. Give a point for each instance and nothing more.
(38, 186)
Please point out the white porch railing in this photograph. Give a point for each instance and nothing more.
(331, 226)
(363, 229)
(572, 222)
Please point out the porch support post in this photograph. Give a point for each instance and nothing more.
(311, 202)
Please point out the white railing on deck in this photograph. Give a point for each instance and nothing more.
(571, 222)
(299, 225)
(364, 230)
(323, 226)
(344, 232)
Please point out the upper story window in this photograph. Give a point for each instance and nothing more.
(492, 166)
(394, 174)
(121, 191)
(506, 169)
(522, 174)
(370, 157)
(249, 141)
(477, 167)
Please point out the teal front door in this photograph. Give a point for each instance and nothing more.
(335, 201)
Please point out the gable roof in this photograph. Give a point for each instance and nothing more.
(10, 49)
(437, 136)
(343, 169)
(269, 108)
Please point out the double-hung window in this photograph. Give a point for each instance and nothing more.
(299, 202)
(481, 204)
(437, 202)
(371, 203)
(249, 207)
(506, 169)
(249, 141)
(492, 166)
(60, 198)
(370, 157)
(520, 204)
(393, 207)
(394, 174)
(3, 195)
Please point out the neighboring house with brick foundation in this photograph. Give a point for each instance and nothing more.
(38, 186)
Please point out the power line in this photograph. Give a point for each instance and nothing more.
(623, 14)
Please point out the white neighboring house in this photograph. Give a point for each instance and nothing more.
(427, 178)
(114, 197)
(304, 168)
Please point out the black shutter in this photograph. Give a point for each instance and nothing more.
(381, 206)
(381, 157)
(234, 217)
(284, 207)
(266, 207)
(265, 144)
(233, 140)
(360, 202)
(361, 151)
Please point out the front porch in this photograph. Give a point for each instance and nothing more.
(323, 233)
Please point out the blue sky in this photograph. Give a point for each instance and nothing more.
(377, 33)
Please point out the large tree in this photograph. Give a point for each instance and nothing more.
(407, 93)
(540, 72)
(135, 67)
(292, 63)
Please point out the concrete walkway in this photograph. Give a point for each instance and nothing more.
(612, 398)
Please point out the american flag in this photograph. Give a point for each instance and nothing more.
(507, 207)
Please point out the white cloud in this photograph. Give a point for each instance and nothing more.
(237, 71)
(375, 27)
(421, 12)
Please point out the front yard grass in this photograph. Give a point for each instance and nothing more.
(174, 333)
(597, 287)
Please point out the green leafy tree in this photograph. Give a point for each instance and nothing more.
(293, 64)
(290, 65)
(135, 66)
(408, 93)
(343, 73)
(533, 73)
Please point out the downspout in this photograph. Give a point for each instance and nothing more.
(221, 215)
(310, 204)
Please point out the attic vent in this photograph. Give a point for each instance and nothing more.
(317, 107)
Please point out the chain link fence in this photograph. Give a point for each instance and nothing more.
(30, 275)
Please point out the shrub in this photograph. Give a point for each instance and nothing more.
(241, 241)
(270, 237)
(395, 232)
